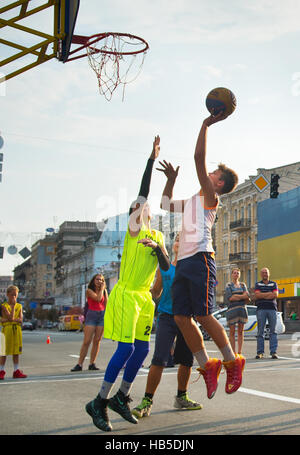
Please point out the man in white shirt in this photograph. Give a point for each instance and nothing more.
(193, 286)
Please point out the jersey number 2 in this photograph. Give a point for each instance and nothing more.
(147, 331)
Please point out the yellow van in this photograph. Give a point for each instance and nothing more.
(69, 322)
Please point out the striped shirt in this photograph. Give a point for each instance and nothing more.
(266, 304)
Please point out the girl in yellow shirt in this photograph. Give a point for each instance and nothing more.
(11, 335)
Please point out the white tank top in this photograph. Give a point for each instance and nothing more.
(197, 222)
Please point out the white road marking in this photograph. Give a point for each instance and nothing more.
(101, 375)
(144, 373)
(290, 358)
(77, 356)
(269, 395)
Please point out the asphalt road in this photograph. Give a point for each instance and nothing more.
(51, 401)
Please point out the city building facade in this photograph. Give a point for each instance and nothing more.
(71, 238)
(236, 230)
(279, 247)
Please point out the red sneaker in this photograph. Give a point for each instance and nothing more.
(211, 374)
(2, 374)
(18, 374)
(234, 369)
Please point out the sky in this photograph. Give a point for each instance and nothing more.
(69, 154)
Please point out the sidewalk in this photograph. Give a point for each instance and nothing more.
(292, 326)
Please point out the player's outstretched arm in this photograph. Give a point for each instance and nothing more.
(200, 160)
(135, 211)
(167, 202)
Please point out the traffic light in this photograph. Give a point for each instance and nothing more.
(274, 186)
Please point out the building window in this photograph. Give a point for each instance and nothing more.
(235, 246)
(242, 213)
(249, 211)
(249, 244)
(242, 246)
(249, 279)
(225, 220)
(225, 250)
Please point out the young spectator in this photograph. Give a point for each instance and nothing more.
(11, 321)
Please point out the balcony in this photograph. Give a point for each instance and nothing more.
(240, 257)
(243, 224)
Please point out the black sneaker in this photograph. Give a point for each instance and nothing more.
(119, 404)
(77, 368)
(92, 366)
(97, 409)
(274, 355)
(259, 356)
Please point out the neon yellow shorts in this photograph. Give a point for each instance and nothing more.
(128, 315)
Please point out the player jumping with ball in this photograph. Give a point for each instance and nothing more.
(195, 276)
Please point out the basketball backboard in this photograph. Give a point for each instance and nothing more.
(116, 58)
(66, 20)
(51, 45)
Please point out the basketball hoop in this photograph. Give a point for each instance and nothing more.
(116, 58)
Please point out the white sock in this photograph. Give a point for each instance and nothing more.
(106, 389)
(125, 387)
(1, 367)
(228, 353)
(16, 366)
(201, 357)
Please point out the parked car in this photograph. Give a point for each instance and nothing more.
(27, 325)
(251, 326)
(48, 325)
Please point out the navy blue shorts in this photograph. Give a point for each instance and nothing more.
(166, 332)
(193, 285)
(95, 318)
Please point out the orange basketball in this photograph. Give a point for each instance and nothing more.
(221, 99)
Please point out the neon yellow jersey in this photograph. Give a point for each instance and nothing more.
(139, 263)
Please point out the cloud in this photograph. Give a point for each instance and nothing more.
(254, 100)
(212, 70)
(194, 21)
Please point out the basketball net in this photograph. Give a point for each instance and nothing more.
(117, 59)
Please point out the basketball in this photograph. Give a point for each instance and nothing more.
(221, 99)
